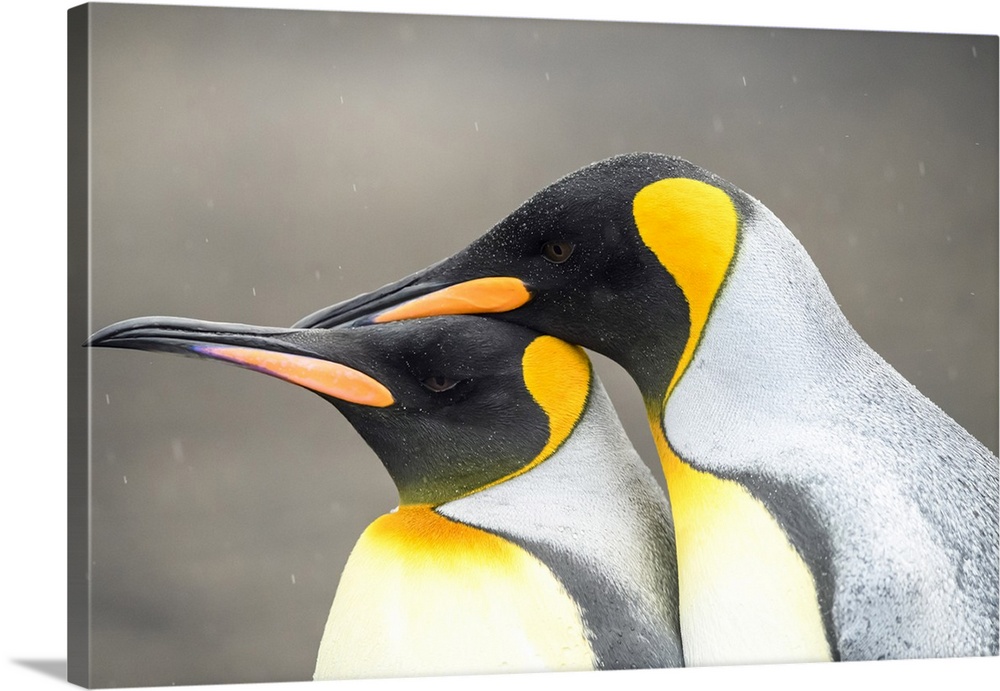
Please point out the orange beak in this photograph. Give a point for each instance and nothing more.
(322, 376)
(479, 296)
(283, 353)
(417, 296)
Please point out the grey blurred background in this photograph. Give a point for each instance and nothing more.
(255, 165)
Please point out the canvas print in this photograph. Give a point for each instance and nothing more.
(610, 345)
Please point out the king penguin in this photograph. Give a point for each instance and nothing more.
(529, 534)
(824, 508)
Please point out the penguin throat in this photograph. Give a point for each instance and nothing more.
(746, 596)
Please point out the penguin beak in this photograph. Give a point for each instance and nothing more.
(272, 351)
(414, 297)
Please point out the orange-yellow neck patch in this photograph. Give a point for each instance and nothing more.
(691, 227)
(424, 595)
(417, 529)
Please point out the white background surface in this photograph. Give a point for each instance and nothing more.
(33, 289)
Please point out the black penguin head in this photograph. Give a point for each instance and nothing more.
(610, 257)
(450, 405)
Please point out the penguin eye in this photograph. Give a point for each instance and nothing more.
(437, 384)
(557, 252)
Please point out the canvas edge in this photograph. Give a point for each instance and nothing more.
(78, 384)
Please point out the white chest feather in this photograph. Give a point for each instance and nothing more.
(423, 595)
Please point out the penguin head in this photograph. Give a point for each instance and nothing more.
(450, 405)
(624, 257)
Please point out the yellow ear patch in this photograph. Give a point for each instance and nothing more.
(691, 228)
(557, 375)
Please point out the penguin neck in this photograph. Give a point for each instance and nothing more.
(596, 459)
(609, 540)
(746, 593)
(786, 412)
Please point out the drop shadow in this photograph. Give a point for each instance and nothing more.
(51, 668)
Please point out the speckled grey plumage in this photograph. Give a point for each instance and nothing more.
(609, 540)
(891, 503)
